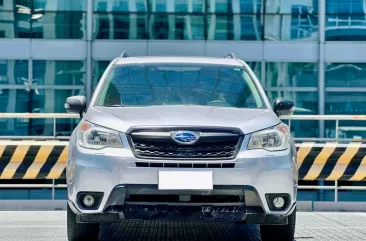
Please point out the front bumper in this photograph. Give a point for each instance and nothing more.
(259, 170)
(179, 213)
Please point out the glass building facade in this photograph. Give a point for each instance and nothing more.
(310, 51)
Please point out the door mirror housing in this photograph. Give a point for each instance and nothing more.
(76, 105)
(283, 107)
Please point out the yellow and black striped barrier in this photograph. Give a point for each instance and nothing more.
(47, 160)
(33, 159)
(332, 161)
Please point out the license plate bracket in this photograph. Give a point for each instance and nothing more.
(185, 180)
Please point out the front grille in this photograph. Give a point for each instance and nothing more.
(185, 165)
(172, 150)
(210, 145)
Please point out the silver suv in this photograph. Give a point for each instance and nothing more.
(181, 138)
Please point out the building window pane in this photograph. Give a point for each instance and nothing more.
(291, 74)
(120, 26)
(98, 70)
(14, 25)
(354, 195)
(345, 7)
(291, 27)
(177, 6)
(257, 69)
(48, 72)
(14, 194)
(345, 75)
(347, 129)
(291, 6)
(188, 27)
(44, 19)
(14, 101)
(59, 25)
(305, 102)
(345, 103)
(36, 127)
(120, 6)
(234, 27)
(161, 6)
(64, 5)
(11, 5)
(33, 194)
(35, 100)
(53, 100)
(345, 28)
(314, 195)
(304, 128)
(234, 6)
(13, 72)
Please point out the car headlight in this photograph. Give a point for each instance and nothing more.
(97, 137)
(274, 139)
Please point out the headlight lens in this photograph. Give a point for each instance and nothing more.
(97, 137)
(275, 139)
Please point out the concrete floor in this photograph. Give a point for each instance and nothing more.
(51, 225)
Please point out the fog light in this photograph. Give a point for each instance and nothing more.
(278, 202)
(88, 200)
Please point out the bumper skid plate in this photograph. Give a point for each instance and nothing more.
(187, 213)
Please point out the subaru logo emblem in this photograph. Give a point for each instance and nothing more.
(185, 137)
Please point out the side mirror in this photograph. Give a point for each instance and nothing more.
(76, 104)
(284, 107)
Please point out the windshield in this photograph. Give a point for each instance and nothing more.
(179, 84)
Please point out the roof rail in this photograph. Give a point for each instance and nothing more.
(230, 55)
(124, 55)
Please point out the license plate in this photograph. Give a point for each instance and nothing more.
(185, 180)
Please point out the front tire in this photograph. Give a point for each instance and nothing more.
(280, 232)
(80, 231)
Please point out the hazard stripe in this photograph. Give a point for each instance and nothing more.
(6, 156)
(320, 161)
(303, 152)
(331, 162)
(39, 161)
(2, 149)
(361, 171)
(63, 175)
(343, 161)
(354, 165)
(27, 162)
(15, 161)
(60, 165)
(308, 162)
(50, 162)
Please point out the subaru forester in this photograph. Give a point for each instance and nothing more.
(181, 138)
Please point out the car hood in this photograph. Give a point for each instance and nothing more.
(123, 118)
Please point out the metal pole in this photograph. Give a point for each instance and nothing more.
(54, 128)
(336, 130)
(321, 63)
(30, 96)
(335, 191)
(89, 38)
(53, 189)
(289, 125)
(321, 74)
